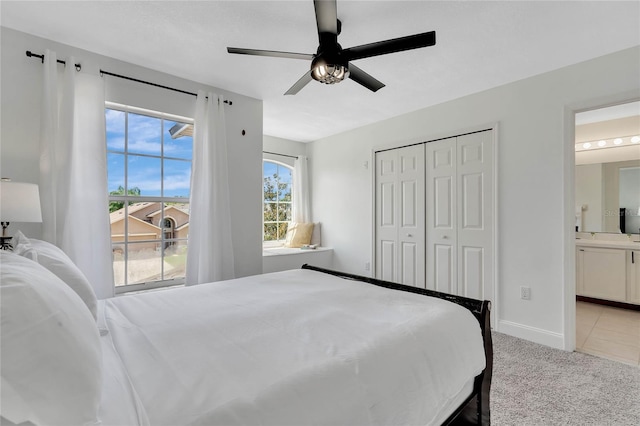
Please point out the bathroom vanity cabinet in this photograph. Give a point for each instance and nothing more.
(608, 270)
(633, 277)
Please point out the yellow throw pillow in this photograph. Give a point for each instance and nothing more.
(298, 234)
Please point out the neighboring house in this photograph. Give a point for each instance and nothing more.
(146, 224)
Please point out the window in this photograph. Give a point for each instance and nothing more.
(149, 174)
(276, 191)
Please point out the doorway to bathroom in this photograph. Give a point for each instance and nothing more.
(607, 232)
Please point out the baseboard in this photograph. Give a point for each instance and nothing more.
(536, 335)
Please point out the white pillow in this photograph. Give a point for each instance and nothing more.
(55, 260)
(50, 348)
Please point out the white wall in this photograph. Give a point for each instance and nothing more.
(282, 146)
(535, 193)
(20, 105)
(589, 195)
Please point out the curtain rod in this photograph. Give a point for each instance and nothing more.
(102, 72)
(124, 77)
(282, 155)
(60, 61)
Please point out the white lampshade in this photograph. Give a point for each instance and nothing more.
(19, 202)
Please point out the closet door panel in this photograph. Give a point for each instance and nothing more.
(443, 269)
(387, 205)
(386, 215)
(443, 217)
(441, 187)
(411, 209)
(410, 263)
(386, 260)
(409, 205)
(400, 215)
(472, 274)
(474, 214)
(472, 201)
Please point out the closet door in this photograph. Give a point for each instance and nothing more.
(475, 215)
(400, 215)
(441, 195)
(459, 193)
(386, 214)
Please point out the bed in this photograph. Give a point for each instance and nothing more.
(307, 346)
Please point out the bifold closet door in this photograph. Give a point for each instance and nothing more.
(459, 234)
(440, 159)
(399, 215)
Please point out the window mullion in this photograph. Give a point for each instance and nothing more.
(125, 239)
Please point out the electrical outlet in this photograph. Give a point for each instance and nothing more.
(367, 266)
(525, 293)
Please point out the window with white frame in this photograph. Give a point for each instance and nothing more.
(149, 177)
(277, 195)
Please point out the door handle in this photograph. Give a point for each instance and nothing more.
(444, 237)
(409, 235)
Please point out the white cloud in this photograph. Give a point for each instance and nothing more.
(177, 181)
(114, 121)
(115, 142)
(145, 146)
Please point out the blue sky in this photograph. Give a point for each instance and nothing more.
(145, 136)
(284, 173)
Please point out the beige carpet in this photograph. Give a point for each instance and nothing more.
(537, 385)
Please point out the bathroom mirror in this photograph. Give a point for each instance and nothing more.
(607, 172)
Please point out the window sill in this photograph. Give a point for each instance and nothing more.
(287, 251)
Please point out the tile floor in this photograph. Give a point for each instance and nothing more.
(608, 332)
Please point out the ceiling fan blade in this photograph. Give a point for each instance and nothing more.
(361, 77)
(304, 80)
(271, 53)
(326, 16)
(390, 46)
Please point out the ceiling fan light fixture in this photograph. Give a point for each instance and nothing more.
(328, 73)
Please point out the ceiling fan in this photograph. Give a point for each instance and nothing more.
(331, 64)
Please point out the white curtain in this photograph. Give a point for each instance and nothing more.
(73, 171)
(210, 253)
(300, 211)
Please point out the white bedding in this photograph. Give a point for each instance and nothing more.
(293, 347)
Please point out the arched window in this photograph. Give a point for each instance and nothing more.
(277, 194)
(169, 227)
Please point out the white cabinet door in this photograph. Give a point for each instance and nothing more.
(633, 276)
(602, 273)
(400, 215)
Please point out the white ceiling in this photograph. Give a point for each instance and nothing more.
(479, 45)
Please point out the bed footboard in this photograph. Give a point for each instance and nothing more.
(475, 409)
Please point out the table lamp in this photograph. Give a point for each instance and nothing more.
(19, 202)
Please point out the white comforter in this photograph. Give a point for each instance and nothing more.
(295, 347)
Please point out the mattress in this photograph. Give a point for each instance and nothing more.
(293, 347)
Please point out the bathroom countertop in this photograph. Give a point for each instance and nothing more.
(633, 245)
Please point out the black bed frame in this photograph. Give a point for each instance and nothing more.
(475, 409)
